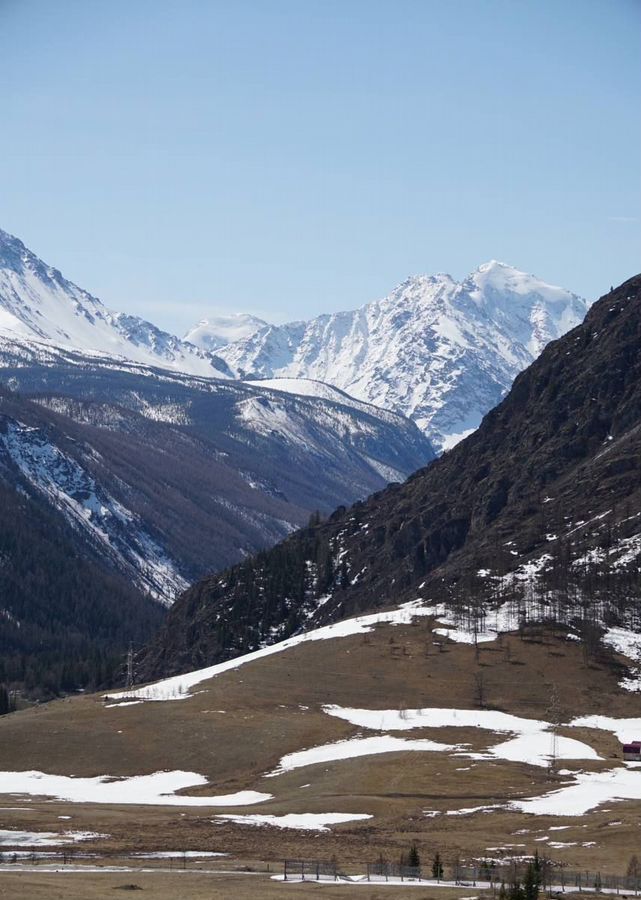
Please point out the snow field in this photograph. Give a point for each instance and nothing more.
(158, 789)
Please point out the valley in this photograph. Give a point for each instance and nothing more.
(320, 450)
(450, 665)
(381, 724)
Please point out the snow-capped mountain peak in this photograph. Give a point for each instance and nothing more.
(37, 303)
(440, 351)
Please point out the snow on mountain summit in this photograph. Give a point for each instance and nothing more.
(38, 304)
(440, 351)
(217, 331)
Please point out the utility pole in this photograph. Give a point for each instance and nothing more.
(553, 713)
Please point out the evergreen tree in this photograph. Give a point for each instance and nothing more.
(437, 866)
(6, 704)
(413, 858)
(532, 880)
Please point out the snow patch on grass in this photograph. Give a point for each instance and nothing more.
(299, 821)
(353, 748)
(12, 837)
(589, 790)
(158, 789)
(532, 743)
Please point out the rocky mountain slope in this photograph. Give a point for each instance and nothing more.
(38, 304)
(540, 508)
(117, 435)
(439, 351)
(174, 478)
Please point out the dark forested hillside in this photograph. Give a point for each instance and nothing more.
(545, 496)
(65, 622)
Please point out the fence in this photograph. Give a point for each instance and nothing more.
(555, 878)
(387, 870)
(310, 870)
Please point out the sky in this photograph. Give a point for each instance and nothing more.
(292, 157)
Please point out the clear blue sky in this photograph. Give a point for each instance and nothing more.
(289, 157)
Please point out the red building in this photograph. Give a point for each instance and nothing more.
(632, 751)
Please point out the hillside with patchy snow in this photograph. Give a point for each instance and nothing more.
(439, 351)
(402, 722)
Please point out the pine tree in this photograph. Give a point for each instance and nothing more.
(437, 867)
(413, 858)
(6, 703)
(532, 880)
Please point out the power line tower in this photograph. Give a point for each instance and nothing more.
(129, 676)
(555, 720)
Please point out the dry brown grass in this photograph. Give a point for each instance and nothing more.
(191, 886)
(273, 707)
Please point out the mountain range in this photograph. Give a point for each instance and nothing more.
(161, 461)
(439, 351)
(539, 507)
(451, 665)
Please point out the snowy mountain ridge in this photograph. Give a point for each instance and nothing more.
(435, 350)
(439, 351)
(38, 303)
